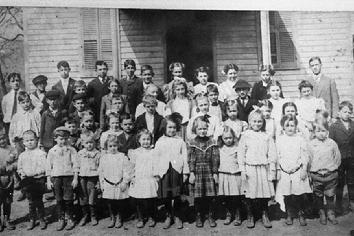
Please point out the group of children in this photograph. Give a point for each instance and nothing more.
(214, 143)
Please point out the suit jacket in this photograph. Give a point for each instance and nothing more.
(49, 123)
(65, 99)
(327, 90)
(96, 90)
(160, 95)
(244, 111)
(125, 144)
(343, 137)
(134, 90)
(140, 123)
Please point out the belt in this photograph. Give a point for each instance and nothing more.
(111, 183)
(290, 172)
(323, 172)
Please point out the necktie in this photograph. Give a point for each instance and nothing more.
(14, 107)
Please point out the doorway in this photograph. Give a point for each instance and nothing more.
(189, 40)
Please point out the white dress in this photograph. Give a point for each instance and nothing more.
(143, 184)
(306, 108)
(226, 90)
(229, 174)
(114, 171)
(293, 156)
(277, 111)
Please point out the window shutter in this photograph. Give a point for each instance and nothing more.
(97, 35)
(282, 46)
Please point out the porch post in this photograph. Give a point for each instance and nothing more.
(265, 38)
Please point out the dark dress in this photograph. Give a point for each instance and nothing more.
(170, 185)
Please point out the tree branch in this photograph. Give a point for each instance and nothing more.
(14, 17)
(13, 39)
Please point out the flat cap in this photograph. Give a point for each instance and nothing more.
(39, 79)
(242, 84)
(79, 96)
(52, 94)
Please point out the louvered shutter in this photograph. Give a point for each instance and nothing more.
(282, 40)
(97, 35)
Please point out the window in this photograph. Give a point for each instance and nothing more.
(283, 51)
(97, 37)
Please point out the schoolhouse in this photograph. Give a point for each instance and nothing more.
(213, 38)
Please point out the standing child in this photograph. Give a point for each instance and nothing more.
(81, 88)
(38, 96)
(72, 126)
(88, 159)
(151, 89)
(325, 159)
(226, 88)
(114, 175)
(244, 101)
(7, 173)
(79, 107)
(114, 128)
(127, 139)
(147, 76)
(10, 102)
(172, 168)
(88, 125)
(26, 118)
(342, 132)
(203, 161)
(216, 107)
(181, 104)
(257, 159)
(62, 176)
(143, 186)
(274, 90)
(31, 168)
(202, 76)
(230, 176)
(293, 181)
(237, 125)
(266, 107)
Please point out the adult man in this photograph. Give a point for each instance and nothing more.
(324, 87)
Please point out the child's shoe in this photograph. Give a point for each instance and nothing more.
(113, 222)
(168, 222)
(179, 223)
(198, 220)
(323, 218)
(8, 224)
(140, 224)
(31, 225)
(70, 225)
(118, 222)
(228, 218)
(265, 220)
(250, 221)
(94, 220)
(151, 222)
(42, 224)
(237, 221)
(332, 217)
(289, 219)
(61, 224)
(211, 220)
(84, 220)
(302, 218)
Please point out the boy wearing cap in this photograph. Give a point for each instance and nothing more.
(244, 102)
(62, 176)
(51, 119)
(65, 85)
(38, 96)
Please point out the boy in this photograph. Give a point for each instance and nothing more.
(244, 101)
(9, 103)
(150, 119)
(38, 96)
(98, 87)
(147, 75)
(342, 132)
(153, 90)
(214, 127)
(325, 159)
(7, 171)
(62, 176)
(51, 119)
(71, 125)
(79, 104)
(65, 85)
(216, 108)
(127, 139)
(31, 168)
(80, 88)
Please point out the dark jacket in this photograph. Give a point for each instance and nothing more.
(244, 111)
(125, 144)
(259, 92)
(343, 137)
(65, 99)
(140, 123)
(48, 124)
(96, 90)
(134, 90)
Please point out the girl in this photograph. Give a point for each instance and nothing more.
(259, 90)
(172, 169)
(143, 186)
(274, 90)
(114, 128)
(257, 158)
(226, 89)
(202, 76)
(238, 126)
(181, 104)
(26, 118)
(89, 158)
(266, 107)
(107, 102)
(292, 162)
(152, 90)
(230, 176)
(203, 161)
(114, 176)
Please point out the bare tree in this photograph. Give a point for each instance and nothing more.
(11, 30)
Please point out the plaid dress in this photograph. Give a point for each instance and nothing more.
(203, 161)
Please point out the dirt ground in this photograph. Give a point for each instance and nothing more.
(20, 211)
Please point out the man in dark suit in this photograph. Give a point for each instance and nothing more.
(244, 102)
(65, 85)
(324, 87)
(99, 87)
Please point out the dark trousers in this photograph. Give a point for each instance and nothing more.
(64, 196)
(146, 207)
(345, 175)
(5, 201)
(34, 193)
(88, 192)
